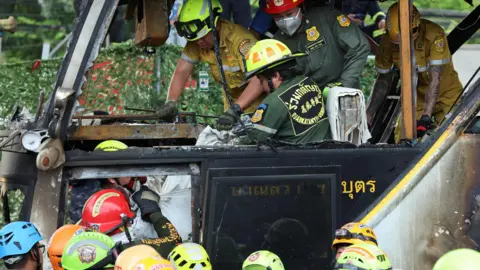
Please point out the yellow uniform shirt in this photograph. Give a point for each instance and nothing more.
(431, 48)
(234, 42)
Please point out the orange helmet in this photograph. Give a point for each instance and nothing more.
(354, 233)
(132, 257)
(59, 241)
(106, 211)
(279, 6)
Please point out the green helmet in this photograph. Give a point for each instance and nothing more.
(194, 19)
(363, 257)
(464, 259)
(263, 260)
(85, 250)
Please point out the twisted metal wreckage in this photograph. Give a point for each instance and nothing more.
(421, 198)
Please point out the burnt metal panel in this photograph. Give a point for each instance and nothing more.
(135, 132)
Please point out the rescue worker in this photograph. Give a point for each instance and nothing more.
(134, 257)
(336, 50)
(234, 43)
(368, 15)
(59, 241)
(82, 190)
(294, 110)
(87, 251)
(350, 234)
(188, 256)
(108, 211)
(438, 84)
(363, 256)
(263, 259)
(20, 246)
(463, 258)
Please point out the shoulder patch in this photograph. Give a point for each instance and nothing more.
(259, 113)
(245, 46)
(440, 44)
(312, 33)
(343, 20)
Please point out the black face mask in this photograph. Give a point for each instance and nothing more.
(270, 85)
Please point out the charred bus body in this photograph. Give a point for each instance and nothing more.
(419, 199)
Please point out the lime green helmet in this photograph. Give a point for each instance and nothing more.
(85, 250)
(194, 19)
(263, 260)
(363, 257)
(464, 259)
(111, 146)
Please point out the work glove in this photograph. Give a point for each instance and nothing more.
(229, 118)
(168, 110)
(423, 125)
(147, 200)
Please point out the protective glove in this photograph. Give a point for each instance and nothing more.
(168, 110)
(423, 125)
(147, 200)
(229, 118)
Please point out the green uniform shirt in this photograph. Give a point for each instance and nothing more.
(337, 49)
(294, 112)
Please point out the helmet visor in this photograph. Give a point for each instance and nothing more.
(192, 30)
(346, 234)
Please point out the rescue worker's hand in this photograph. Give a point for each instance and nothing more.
(381, 24)
(147, 200)
(229, 118)
(423, 125)
(168, 110)
(355, 19)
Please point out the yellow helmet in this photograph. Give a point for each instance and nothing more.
(188, 256)
(152, 263)
(111, 146)
(194, 19)
(465, 259)
(267, 54)
(354, 233)
(131, 256)
(263, 259)
(393, 24)
(363, 256)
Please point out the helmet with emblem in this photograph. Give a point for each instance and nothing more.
(463, 258)
(354, 233)
(268, 54)
(106, 211)
(59, 241)
(279, 6)
(363, 256)
(111, 146)
(194, 19)
(263, 259)
(86, 251)
(190, 256)
(393, 23)
(130, 257)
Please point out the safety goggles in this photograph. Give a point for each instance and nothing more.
(193, 30)
(346, 234)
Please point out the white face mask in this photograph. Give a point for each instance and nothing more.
(290, 25)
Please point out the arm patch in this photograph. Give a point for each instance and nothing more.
(244, 46)
(259, 113)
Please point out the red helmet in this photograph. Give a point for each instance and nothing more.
(106, 210)
(278, 6)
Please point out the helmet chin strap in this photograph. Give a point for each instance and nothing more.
(36, 254)
(270, 85)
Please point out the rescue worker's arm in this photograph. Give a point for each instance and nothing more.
(179, 79)
(439, 56)
(355, 47)
(268, 118)
(252, 91)
(377, 14)
(168, 237)
(384, 66)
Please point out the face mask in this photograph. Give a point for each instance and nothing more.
(289, 25)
